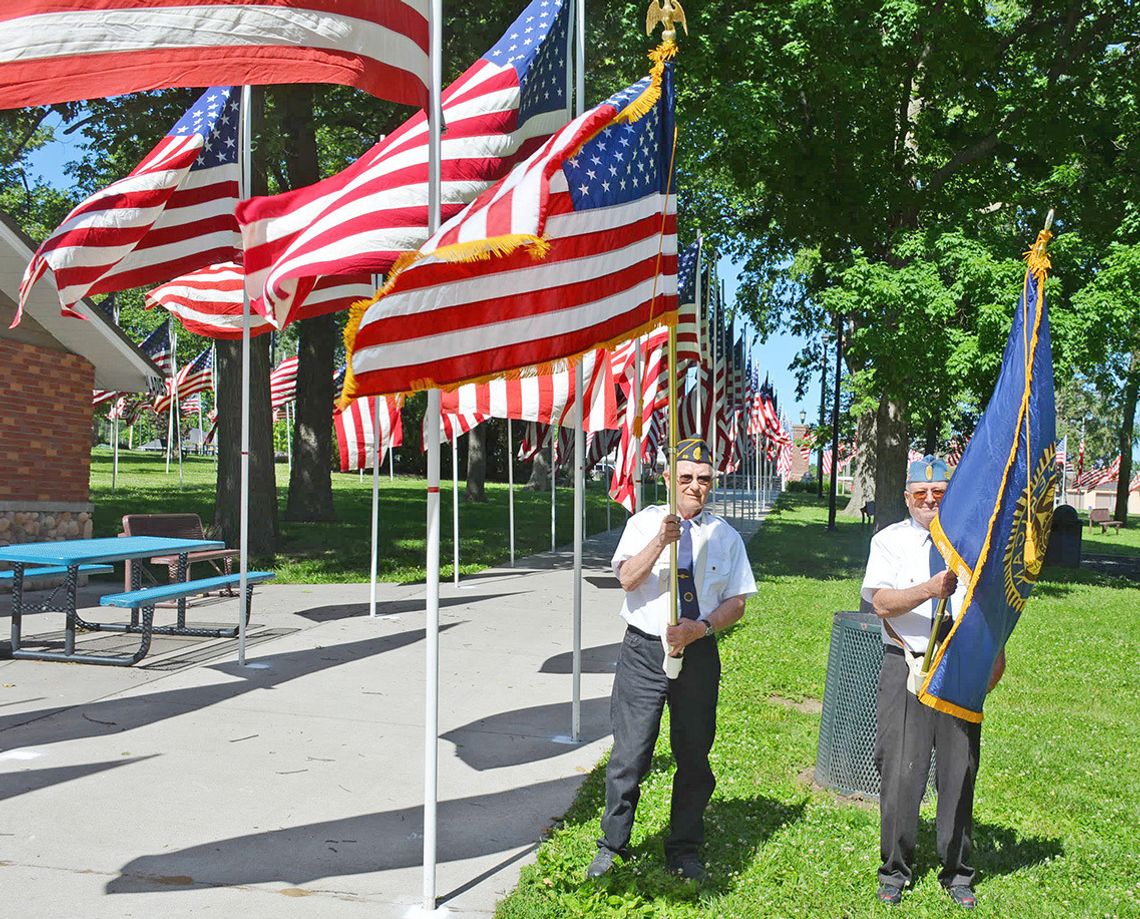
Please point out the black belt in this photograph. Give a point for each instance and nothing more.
(642, 634)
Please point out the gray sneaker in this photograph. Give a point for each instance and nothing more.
(601, 864)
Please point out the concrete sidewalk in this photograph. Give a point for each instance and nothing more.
(294, 787)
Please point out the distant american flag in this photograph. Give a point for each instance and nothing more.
(547, 398)
(1063, 452)
(197, 376)
(356, 428)
(208, 302)
(157, 347)
(64, 50)
(283, 382)
(362, 218)
(174, 212)
(193, 404)
(688, 309)
(594, 200)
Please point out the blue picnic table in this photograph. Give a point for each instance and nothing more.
(73, 557)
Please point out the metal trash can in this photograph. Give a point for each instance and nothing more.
(1064, 546)
(845, 758)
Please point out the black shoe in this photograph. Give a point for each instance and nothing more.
(688, 867)
(890, 894)
(963, 896)
(601, 864)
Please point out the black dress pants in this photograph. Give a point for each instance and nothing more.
(641, 691)
(908, 732)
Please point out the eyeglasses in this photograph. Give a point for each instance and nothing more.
(703, 480)
(928, 494)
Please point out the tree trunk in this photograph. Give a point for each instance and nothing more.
(862, 466)
(1127, 437)
(890, 466)
(477, 463)
(540, 472)
(310, 483)
(262, 479)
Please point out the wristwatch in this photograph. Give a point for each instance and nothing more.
(709, 630)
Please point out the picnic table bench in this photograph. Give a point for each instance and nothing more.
(176, 526)
(1102, 516)
(70, 558)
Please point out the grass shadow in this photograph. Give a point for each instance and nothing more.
(998, 850)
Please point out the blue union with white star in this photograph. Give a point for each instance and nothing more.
(625, 162)
(687, 273)
(214, 117)
(536, 46)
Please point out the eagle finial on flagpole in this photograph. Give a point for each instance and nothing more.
(667, 13)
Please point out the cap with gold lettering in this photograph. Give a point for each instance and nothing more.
(694, 450)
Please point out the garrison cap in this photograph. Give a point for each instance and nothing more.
(694, 450)
(928, 469)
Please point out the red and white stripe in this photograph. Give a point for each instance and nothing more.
(283, 382)
(209, 302)
(164, 218)
(363, 218)
(608, 272)
(356, 428)
(64, 50)
(547, 398)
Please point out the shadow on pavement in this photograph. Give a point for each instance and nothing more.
(387, 607)
(469, 827)
(525, 735)
(13, 784)
(115, 715)
(599, 659)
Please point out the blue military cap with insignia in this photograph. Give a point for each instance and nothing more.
(928, 469)
(693, 450)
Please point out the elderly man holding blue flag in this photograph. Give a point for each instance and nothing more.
(990, 524)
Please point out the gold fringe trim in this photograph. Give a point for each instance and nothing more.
(1038, 258)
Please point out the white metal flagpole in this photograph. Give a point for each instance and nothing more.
(579, 430)
(511, 488)
(455, 508)
(553, 485)
(115, 436)
(375, 506)
(246, 188)
(173, 392)
(431, 623)
(638, 416)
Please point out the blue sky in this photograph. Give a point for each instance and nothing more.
(772, 357)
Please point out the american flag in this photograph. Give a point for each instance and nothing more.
(355, 431)
(197, 376)
(454, 424)
(784, 459)
(530, 444)
(547, 398)
(1063, 452)
(193, 404)
(688, 309)
(283, 382)
(64, 50)
(363, 218)
(574, 249)
(1103, 476)
(157, 347)
(208, 302)
(174, 212)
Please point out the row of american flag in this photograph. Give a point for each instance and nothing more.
(558, 243)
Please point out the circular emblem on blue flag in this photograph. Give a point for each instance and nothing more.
(1032, 520)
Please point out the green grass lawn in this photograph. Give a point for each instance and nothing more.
(1058, 796)
(315, 553)
(1125, 541)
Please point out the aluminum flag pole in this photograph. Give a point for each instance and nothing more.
(431, 623)
(243, 594)
(375, 506)
(173, 392)
(672, 665)
(115, 461)
(579, 427)
(553, 487)
(638, 416)
(391, 463)
(511, 489)
(455, 507)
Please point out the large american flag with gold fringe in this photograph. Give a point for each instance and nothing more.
(575, 248)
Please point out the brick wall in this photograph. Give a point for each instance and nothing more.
(45, 424)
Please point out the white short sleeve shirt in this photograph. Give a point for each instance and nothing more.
(900, 558)
(720, 568)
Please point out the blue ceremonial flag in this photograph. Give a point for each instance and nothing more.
(994, 522)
